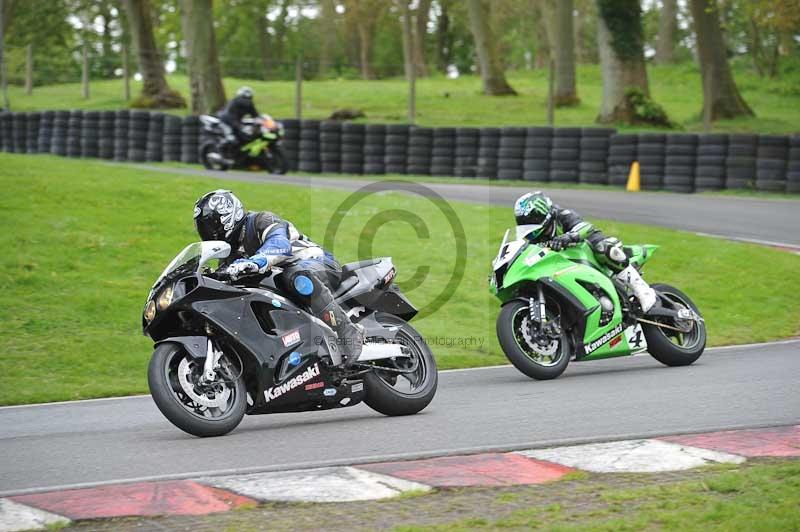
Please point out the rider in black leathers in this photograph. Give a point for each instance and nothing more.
(261, 240)
(234, 111)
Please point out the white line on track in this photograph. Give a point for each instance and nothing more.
(479, 368)
(794, 248)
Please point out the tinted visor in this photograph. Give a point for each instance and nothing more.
(209, 229)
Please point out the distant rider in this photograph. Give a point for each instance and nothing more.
(261, 240)
(540, 220)
(234, 111)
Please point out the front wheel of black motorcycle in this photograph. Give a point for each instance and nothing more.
(536, 359)
(278, 163)
(403, 394)
(681, 342)
(203, 410)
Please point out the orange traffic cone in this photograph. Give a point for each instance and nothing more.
(634, 178)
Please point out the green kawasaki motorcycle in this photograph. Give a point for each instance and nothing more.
(559, 306)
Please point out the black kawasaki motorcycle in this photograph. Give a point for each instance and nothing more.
(262, 147)
(224, 349)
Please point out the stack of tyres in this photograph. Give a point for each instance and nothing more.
(420, 150)
(793, 168)
(740, 161)
(58, 140)
(536, 157)
(291, 141)
(773, 156)
(443, 155)
(32, 140)
(565, 155)
(488, 148)
(74, 129)
(190, 140)
(4, 116)
(330, 146)
(121, 123)
(154, 146)
(712, 149)
(353, 136)
(45, 132)
(20, 132)
(137, 136)
(621, 155)
(593, 165)
(308, 154)
(90, 135)
(374, 149)
(467, 142)
(680, 162)
(105, 132)
(650, 152)
(172, 138)
(396, 148)
(511, 154)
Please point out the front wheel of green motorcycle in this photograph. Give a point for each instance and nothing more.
(537, 357)
(680, 342)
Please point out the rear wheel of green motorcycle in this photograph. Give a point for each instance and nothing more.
(670, 347)
(537, 361)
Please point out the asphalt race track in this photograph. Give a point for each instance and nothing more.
(765, 220)
(497, 408)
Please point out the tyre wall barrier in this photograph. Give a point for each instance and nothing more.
(676, 162)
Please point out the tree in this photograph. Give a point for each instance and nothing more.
(667, 31)
(559, 14)
(156, 93)
(420, 32)
(328, 35)
(205, 80)
(444, 37)
(718, 84)
(491, 66)
(620, 40)
(365, 15)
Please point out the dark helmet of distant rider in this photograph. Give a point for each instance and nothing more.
(536, 213)
(219, 215)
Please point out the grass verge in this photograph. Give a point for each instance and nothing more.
(85, 240)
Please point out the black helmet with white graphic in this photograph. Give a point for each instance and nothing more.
(218, 215)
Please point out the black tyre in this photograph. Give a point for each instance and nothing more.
(277, 163)
(205, 151)
(172, 376)
(405, 394)
(528, 356)
(673, 348)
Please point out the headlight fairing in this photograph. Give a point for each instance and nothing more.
(164, 299)
(150, 311)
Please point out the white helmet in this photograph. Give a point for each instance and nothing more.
(245, 92)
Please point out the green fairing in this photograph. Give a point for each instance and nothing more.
(255, 147)
(566, 268)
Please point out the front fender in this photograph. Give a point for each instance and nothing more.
(196, 346)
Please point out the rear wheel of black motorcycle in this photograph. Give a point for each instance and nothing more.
(511, 330)
(177, 406)
(205, 150)
(403, 395)
(670, 347)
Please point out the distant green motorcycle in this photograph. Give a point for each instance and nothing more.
(559, 306)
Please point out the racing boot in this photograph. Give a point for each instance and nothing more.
(350, 336)
(631, 278)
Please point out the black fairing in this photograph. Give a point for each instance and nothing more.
(264, 329)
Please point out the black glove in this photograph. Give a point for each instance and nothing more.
(563, 241)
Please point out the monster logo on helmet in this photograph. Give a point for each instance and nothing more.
(534, 214)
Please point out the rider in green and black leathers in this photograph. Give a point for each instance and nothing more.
(540, 220)
(261, 240)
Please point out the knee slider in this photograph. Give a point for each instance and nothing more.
(303, 284)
